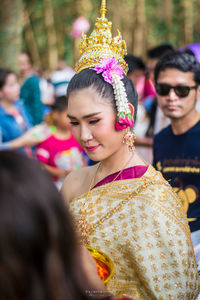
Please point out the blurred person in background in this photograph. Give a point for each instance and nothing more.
(61, 78)
(177, 147)
(46, 89)
(13, 118)
(154, 54)
(60, 153)
(157, 118)
(136, 72)
(30, 89)
(47, 93)
(136, 67)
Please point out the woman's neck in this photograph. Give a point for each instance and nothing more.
(7, 105)
(120, 160)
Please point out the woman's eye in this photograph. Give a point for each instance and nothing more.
(73, 123)
(94, 121)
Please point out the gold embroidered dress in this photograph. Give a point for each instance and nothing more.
(141, 225)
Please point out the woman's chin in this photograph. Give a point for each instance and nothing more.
(93, 157)
(96, 156)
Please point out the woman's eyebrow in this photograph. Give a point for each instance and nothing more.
(86, 116)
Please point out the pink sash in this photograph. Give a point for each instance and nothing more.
(129, 173)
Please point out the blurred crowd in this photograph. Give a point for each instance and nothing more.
(33, 112)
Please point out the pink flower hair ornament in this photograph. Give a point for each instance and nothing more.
(107, 66)
(112, 73)
(124, 121)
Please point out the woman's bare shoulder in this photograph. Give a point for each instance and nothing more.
(77, 183)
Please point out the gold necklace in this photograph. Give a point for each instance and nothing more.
(83, 225)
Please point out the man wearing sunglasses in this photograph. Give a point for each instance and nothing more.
(177, 147)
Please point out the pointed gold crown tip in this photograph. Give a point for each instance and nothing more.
(101, 44)
(103, 9)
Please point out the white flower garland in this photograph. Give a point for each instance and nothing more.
(120, 95)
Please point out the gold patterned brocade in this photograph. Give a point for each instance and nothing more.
(141, 225)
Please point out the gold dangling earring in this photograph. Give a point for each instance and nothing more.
(129, 139)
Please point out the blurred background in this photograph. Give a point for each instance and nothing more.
(44, 28)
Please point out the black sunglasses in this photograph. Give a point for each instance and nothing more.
(181, 91)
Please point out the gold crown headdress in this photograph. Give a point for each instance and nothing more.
(105, 55)
(100, 44)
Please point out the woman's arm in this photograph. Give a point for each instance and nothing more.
(55, 171)
(31, 137)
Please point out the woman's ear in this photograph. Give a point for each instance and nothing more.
(132, 109)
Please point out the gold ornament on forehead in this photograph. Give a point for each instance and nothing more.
(100, 44)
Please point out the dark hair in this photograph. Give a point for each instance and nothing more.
(38, 257)
(3, 76)
(189, 51)
(60, 104)
(179, 60)
(158, 51)
(89, 78)
(134, 63)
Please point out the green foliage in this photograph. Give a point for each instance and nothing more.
(66, 11)
(10, 32)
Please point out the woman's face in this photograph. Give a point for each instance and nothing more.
(92, 121)
(10, 90)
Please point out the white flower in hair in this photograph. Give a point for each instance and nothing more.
(112, 73)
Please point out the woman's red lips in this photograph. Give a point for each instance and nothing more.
(91, 148)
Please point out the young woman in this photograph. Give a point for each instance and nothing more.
(123, 206)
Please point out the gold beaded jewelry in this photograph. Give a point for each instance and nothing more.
(129, 139)
(83, 225)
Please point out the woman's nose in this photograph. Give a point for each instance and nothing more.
(85, 134)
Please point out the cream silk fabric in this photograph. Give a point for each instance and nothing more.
(146, 235)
